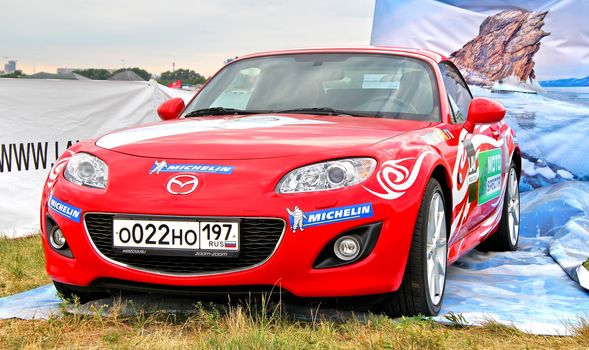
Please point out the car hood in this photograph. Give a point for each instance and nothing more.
(253, 136)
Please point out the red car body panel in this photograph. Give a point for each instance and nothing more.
(408, 154)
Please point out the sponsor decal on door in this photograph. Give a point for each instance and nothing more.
(490, 167)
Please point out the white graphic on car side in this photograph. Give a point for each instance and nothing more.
(395, 178)
(460, 191)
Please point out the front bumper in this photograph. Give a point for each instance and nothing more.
(288, 267)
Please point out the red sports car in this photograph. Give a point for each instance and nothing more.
(318, 173)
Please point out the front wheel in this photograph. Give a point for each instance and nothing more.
(424, 280)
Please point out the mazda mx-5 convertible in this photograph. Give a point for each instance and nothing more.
(317, 173)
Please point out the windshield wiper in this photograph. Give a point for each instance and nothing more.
(217, 111)
(306, 110)
(322, 111)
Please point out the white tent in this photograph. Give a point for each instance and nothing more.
(40, 118)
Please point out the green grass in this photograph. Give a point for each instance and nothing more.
(242, 328)
(586, 264)
(22, 265)
(239, 326)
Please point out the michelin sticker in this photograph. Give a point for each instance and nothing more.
(66, 210)
(164, 167)
(490, 166)
(300, 219)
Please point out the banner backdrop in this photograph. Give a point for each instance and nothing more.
(39, 119)
(493, 40)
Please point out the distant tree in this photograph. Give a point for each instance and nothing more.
(139, 71)
(95, 73)
(104, 74)
(17, 74)
(188, 76)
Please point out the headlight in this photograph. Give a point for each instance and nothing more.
(327, 175)
(86, 170)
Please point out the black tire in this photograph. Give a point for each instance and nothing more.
(413, 296)
(77, 293)
(503, 240)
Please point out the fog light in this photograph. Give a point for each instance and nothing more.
(57, 239)
(347, 248)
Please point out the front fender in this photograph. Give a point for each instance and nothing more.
(402, 176)
(55, 175)
(401, 180)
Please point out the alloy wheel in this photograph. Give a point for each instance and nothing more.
(513, 213)
(437, 253)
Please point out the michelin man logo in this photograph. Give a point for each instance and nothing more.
(297, 218)
(158, 167)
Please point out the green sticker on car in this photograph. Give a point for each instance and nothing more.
(490, 167)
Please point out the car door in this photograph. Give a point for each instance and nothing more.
(491, 153)
(478, 185)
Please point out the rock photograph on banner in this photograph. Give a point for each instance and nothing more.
(502, 54)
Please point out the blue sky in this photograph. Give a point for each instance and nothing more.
(196, 34)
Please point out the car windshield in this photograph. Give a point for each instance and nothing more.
(370, 85)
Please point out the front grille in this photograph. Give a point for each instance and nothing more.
(258, 239)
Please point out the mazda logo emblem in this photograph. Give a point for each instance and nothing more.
(182, 184)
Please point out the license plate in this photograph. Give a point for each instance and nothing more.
(175, 237)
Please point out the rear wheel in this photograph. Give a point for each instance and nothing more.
(507, 235)
(424, 280)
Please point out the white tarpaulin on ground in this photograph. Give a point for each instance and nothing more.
(39, 119)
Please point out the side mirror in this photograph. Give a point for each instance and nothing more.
(483, 110)
(171, 109)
